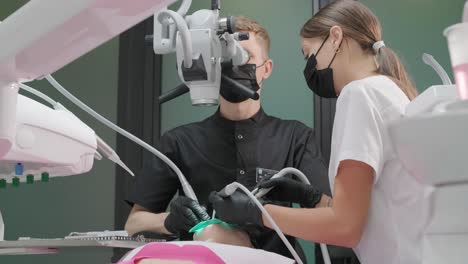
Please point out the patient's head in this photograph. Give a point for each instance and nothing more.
(224, 235)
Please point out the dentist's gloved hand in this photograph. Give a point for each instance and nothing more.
(289, 190)
(236, 209)
(184, 213)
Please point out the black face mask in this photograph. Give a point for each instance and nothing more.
(244, 74)
(320, 81)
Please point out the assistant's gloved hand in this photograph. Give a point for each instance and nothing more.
(184, 214)
(236, 209)
(289, 190)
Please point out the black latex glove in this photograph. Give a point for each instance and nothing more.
(236, 209)
(184, 214)
(289, 190)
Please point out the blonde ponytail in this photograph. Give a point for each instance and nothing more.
(391, 66)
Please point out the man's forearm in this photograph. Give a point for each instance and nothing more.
(146, 221)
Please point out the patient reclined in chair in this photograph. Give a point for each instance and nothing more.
(214, 245)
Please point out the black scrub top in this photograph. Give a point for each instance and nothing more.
(216, 151)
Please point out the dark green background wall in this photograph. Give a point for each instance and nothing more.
(414, 27)
(77, 203)
(85, 203)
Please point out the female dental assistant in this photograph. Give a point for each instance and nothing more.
(378, 209)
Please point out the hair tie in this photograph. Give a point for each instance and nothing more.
(378, 45)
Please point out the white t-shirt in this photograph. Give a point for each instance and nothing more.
(398, 210)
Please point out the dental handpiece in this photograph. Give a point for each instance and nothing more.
(260, 192)
(229, 189)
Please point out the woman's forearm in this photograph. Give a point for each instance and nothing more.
(340, 224)
(319, 225)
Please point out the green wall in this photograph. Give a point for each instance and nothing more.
(414, 27)
(76, 203)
